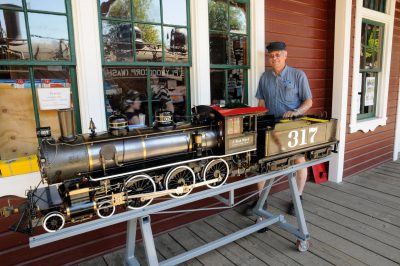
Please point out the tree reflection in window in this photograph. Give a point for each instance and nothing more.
(156, 36)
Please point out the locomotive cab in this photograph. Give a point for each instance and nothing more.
(238, 128)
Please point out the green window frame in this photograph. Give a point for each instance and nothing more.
(236, 58)
(370, 67)
(31, 61)
(154, 63)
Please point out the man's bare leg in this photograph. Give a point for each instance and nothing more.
(301, 176)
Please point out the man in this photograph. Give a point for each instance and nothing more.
(286, 93)
(161, 97)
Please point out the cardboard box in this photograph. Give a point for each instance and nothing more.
(18, 166)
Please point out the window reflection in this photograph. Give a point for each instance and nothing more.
(377, 5)
(147, 10)
(49, 37)
(174, 12)
(175, 44)
(16, 113)
(11, 3)
(218, 15)
(168, 88)
(217, 85)
(117, 40)
(235, 86)
(373, 46)
(13, 41)
(152, 44)
(238, 51)
(46, 5)
(115, 8)
(218, 48)
(237, 19)
(127, 92)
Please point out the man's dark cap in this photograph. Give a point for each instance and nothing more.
(276, 46)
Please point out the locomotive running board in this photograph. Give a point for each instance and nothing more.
(300, 232)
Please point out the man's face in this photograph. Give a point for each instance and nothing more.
(277, 59)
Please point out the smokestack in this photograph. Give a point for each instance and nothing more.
(67, 124)
(12, 21)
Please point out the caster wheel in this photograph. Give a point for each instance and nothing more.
(302, 245)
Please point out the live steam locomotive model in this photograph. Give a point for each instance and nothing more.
(93, 174)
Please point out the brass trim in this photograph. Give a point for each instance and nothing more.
(94, 206)
(79, 191)
(144, 148)
(190, 147)
(69, 212)
(89, 150)
(117, 125)
(266, 143)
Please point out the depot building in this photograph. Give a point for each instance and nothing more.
(97, 57)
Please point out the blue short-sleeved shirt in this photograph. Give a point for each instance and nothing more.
(283, 92)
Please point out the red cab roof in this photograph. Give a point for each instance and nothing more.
(239, 111)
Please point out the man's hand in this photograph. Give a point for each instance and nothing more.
(291, 114)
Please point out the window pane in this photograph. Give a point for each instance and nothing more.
(51, 77)
(151, 51)
(168, 88)
(218, 15)
(174, 12)
(126, 92)
(218, 48)
(237, 19)
(117, 41)
(367, 94)
(363, 46)
(371, 44)
(13, 41)
(236, 87)
(49, 37)
(147, 10)
(16, 113)
(115, 9)
(377, 5)
(11, 3)
(217, 80)
(47, 5)
(238, 50)
(175, 45)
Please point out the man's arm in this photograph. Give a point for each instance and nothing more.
(302, 109)
(261, 103)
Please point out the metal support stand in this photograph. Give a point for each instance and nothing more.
(143, 215)
(131, 243)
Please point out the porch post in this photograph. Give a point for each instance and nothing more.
(88, 64)
(340, 83)
(200, 70)
(397, 133)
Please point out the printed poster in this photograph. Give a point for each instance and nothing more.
(54, 98)
(369, 91)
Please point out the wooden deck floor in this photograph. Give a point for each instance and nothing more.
(356, 222)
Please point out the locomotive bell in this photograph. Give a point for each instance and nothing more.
(118, 125)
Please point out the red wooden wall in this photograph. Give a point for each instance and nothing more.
(307, 28)
(365, 150)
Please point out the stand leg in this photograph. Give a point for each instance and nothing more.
(148, 240)
(130, 258)
(264, 195)
(298, 208)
